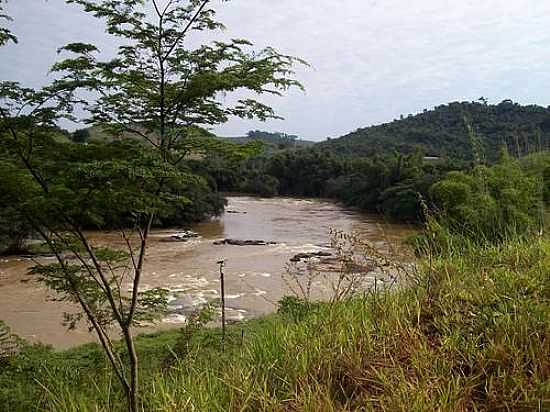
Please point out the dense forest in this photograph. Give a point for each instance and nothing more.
(272, 140)
(443, 132)
(393, 180)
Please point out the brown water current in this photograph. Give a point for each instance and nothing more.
(188, 269)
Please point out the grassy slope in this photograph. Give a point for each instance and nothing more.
(471, 333)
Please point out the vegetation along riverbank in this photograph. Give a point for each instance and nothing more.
(470, 333)
(461, 324)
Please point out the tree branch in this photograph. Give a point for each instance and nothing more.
(186, 29)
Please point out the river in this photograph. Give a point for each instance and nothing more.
(189, 270)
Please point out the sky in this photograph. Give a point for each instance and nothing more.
(371, 60)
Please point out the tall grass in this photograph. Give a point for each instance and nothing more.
(472, 333)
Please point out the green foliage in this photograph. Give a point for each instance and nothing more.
(81, 136)
(195, 323)
(98, 186)
(400, 186)
(9, 343)
(469, 334)
(14, 229)
(295, 309)
(272, 137)
(191, 79)
(261, 184)
(5, 34)
(165, 95)
(301, 172)
(402, 202)
(538, 165)
(278, 139)
(443, 132)
(392, 184)
(489, 203)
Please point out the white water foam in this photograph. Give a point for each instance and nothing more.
(175, 318)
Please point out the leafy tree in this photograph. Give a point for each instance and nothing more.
(489, 203)
(393, 184)
(164, 94)
(442, 132)
(81, 136)
(261, 184)
(5, 34)
(280, 139)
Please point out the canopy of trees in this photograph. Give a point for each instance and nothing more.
(443, 132)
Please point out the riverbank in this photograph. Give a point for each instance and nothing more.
(188, 270)
(471, 333)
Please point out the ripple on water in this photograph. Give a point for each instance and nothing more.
(184, 306)
(304, 248)
(235, 296)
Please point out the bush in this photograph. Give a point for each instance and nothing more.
(261, 184)
(489, 203)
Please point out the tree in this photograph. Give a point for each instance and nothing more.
(489, 203)
(5, 34)
(80, 136)
(160, 92)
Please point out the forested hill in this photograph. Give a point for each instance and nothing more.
(444, 131)
(278, 140)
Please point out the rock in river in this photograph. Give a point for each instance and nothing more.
(235, 242)
(303, 256)
(182, 236)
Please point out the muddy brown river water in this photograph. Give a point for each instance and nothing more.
(188, 269)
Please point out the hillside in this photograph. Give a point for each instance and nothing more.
(276, 140)
(246, 139)
(273, 140)
(99, 134)
(443, 131)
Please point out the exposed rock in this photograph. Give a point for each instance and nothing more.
(183, 236)
(303, 256)
(235, 242)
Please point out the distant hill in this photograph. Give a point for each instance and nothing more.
(98, 134)
(275, 140)
(443, 132)
(246, 139)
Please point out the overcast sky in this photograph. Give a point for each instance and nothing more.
(372, 59)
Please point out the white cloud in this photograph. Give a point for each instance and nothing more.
(372, 59)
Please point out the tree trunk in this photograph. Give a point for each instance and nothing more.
(132, 393)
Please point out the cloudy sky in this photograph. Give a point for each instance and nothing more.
(372, 60)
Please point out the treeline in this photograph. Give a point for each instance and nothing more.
(68, 173)
(393, 184)
(403, 186)
(272, 141)
(479, 197)
(443, 132)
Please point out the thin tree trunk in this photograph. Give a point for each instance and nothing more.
(222, 283)
(133, 390)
